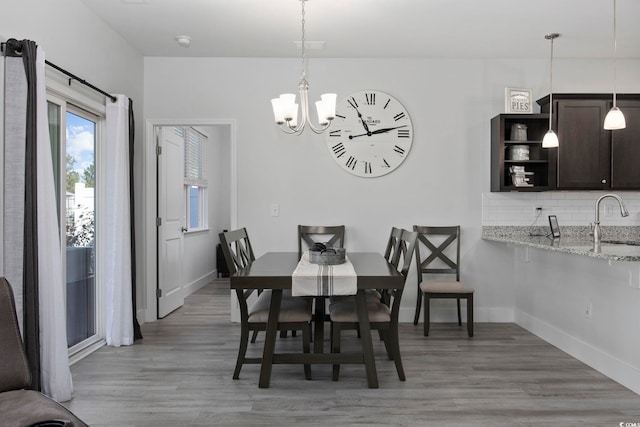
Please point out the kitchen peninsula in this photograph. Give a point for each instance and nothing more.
(583, 302)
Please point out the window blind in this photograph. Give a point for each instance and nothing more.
(194, 150)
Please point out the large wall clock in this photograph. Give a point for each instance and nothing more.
(371, 134)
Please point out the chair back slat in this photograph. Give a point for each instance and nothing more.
(394, 246)
(407, 245)
(237, 249)
(332, 235)
(431, 247)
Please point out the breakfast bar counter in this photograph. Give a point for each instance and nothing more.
(618, 243)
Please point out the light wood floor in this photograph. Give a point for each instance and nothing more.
(180, 375)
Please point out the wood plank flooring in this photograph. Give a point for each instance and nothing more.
(180, 375)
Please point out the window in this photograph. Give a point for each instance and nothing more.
(195, 178)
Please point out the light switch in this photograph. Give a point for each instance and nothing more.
(275, 209)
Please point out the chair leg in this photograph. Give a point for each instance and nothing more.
(306, 348)
(459, 317)
(392, 336)
(426, 314)
(335, 348)
(418, 302)
(387, 344)
(242, 351)
(254, 336)
(470, 315)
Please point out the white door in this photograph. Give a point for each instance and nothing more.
(172, 215)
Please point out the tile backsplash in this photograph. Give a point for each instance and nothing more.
(573, 208)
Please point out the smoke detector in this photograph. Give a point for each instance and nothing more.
(184, 41)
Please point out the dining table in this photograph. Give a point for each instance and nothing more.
(274, 270)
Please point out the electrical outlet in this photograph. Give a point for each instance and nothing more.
(588, 311)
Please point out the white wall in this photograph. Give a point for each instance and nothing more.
(451, 103)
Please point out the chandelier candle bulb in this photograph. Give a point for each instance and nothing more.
(329, 101)
(278, 110)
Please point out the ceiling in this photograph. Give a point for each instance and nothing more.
(376, 28)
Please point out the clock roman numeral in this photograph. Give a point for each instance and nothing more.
(385, 164)
(351, 162)
(335, 132)
(403, 133)
(386, 104)
(339, 150)
(352, 102)
(399, 116)
(399, 150)
(342, 117)
(367, 167)
(371, 98)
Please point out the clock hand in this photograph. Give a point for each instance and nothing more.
(384, 130)
(364, 124)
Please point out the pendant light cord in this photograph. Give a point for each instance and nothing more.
(615, 53)
(552, 37)
(551, 84)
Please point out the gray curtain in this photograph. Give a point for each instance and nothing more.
(137, 333)
(30, 304)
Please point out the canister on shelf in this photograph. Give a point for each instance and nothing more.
(518, 132)
(519, 152)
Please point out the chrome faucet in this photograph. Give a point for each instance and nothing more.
(597, 233)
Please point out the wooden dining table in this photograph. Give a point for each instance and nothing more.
(274, 270)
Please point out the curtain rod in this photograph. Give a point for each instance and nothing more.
(16, 47)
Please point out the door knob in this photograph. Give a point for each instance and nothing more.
(604, 181)
(185, 229)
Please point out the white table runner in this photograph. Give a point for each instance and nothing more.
(323, 280)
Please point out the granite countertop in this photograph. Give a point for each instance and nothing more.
(618, 243)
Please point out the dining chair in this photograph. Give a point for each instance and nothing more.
(332, 235)
(295, 312)
(382, 317)
(437, 255)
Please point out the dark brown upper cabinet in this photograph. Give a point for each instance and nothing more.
(589, 157)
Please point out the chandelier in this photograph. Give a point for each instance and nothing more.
(285, 109)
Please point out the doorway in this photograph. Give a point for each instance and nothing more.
(179, 263)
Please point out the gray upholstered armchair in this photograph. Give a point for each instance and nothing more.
(20, 407)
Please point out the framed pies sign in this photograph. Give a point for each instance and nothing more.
(518, 101)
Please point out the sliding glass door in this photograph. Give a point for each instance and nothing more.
(74, 135)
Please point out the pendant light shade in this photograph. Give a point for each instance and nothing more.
(614, 119)
(550, 139)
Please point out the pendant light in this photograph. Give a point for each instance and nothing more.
(285, 109)
(550, 139)
(614, 119)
